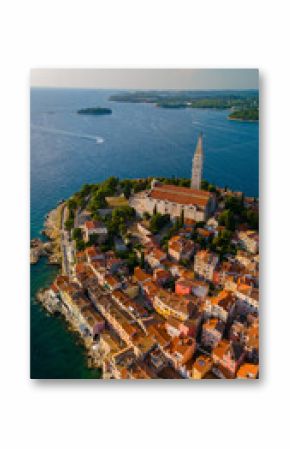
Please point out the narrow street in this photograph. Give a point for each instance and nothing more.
(66, 245)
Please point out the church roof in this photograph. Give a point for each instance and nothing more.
(180, 195)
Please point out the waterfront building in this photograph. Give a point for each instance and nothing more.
(94, 322)
(118, 319)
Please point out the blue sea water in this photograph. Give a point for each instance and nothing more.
(137, 140)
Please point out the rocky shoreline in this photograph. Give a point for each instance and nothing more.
(50, 249)
(242, 120)
(94, 354)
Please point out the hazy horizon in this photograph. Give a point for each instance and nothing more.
(147, 79)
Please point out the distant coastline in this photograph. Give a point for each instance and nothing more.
(243, 107)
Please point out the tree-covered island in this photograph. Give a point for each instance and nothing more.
(247, 115)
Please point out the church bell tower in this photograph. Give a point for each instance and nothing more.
(197, 165)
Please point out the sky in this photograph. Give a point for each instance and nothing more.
(147, 78)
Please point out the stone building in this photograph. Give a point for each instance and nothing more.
(192, 203)
(197, 165)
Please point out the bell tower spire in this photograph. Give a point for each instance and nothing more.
(197, 164)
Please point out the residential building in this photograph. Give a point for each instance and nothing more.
(249, 240)
(212, 332)
(248, 371)
(205, 263)
(201, 367)
(96, 228)
(228, 356)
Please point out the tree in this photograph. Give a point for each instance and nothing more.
(126, 186)
(184, 182)
(140, 185)
(110, 185)
(200, 224)
(122, 229)
(234, 204)
(142, 260)
(182, 217)
(80, 245)
(69, 224)
(132, 261)
(72, 204)
(86, 190)
(204, 184)
(96, 215)
(227, 219)
(77, 234)
(158, 221)
(252, 219)
(221, 244)
(93, 240)
(98, 201)
(211, 188)
(125, 212)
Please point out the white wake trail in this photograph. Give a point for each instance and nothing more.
(96, 139)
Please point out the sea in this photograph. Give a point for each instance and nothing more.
(136, 140)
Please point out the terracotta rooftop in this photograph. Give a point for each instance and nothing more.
(140, 274)
(248, 371)
(92, 224)
(180, 195)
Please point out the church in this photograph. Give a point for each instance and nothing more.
(194, 203)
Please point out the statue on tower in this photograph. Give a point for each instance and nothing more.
(197, 165)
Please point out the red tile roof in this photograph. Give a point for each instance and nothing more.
(180, 195)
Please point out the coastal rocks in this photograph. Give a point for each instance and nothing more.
(52, 224)
(51, 249)
(39, 248)
(50, 303)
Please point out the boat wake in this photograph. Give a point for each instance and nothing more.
(97, 139)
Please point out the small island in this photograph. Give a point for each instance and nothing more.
(95, 111)
(245, 115)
